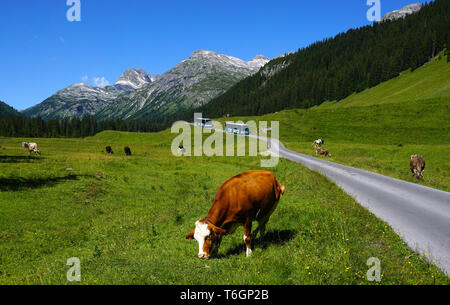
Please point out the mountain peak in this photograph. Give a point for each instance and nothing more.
(401, 13)
(134, 78)
(259, 57)
(202, 52)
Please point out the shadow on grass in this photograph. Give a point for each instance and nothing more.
(19, 159)
(275, 237)
(18, 183)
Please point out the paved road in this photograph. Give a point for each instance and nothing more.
(419, 214)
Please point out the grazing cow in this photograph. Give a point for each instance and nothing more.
(32, 147)
(109, 150)
(127, 151)
(318, 143)
(417, 166)
(247, 197)
(322, 151)
(181, 149)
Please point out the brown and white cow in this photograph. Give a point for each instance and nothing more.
(318, 143)
(247, 197)
(32, 147)
(417, 166)
(322, 151)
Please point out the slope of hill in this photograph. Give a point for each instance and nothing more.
(335, 68)
(429, 81)
(5, 109)
(380, 128)
(76, 100)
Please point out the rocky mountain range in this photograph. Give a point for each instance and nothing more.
(403, 12)
(139, 95)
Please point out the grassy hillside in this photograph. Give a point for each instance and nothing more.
(432, 80)
(126, 219)
(380, 128)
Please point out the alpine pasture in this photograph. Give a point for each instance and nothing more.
(126, 217)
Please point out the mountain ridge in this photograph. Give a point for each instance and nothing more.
(6, 109)
(138, 94)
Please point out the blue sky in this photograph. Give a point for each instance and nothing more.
(42, 52)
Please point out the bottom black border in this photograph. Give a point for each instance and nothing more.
(229, 294)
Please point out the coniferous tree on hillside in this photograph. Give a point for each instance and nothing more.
(332, 69)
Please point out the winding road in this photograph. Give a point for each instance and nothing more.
(420, 215)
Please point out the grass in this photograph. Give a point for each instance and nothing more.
(380, 128)
(126, 218)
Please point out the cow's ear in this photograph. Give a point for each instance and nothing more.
(190, 235)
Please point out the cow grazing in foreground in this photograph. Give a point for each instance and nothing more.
(247, 197)
(109, 150)
(32, 147)
(127, 151)
(322, 151)
(417, 166)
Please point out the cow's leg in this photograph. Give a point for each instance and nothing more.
(247, 235)
(261, 228)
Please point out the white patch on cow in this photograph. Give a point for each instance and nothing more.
(200, 234)
(249, 251)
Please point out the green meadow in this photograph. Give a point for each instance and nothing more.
(126, 219)
(380, 128)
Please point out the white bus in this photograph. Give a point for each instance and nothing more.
(237, 128)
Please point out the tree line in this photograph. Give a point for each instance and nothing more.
(20, 126)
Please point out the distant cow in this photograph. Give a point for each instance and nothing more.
(181, 149)
(318, 143)
(127, 151)
(109, 150)
(322, 151)
(417, 166)
(32, 147)
(247, 197)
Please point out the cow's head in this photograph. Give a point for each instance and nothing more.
(419, 173)
(208, 237)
